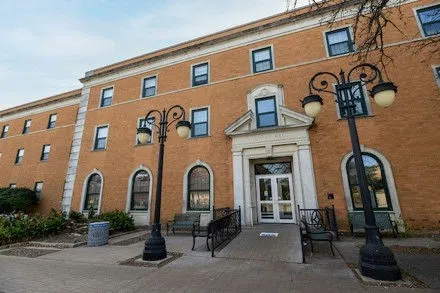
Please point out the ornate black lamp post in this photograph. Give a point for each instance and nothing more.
(155, 248)
(375, 260)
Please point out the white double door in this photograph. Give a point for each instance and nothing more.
(275, 198)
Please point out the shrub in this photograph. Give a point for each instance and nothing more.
(77, 217)
(16, 199)
(21, 227)
(119, 221)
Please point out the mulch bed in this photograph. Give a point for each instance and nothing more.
(64, 238)
(27, 252)
(415, 250)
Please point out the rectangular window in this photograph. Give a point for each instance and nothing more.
(5, 131)
(357, 94)
(199, 123)
(27, 126)
(149, 87)
(45, 152)
(19, 158)
(147, 124)
(339, 42)
(52, 121)
(38, 188)
(12, 185)
(266, 112)
(107, 97)
(101, 138)
(430, 20)
(262, 60)
(200, 74)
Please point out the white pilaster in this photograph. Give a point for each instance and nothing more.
(237, 165)
(247, 193)
(307, 177)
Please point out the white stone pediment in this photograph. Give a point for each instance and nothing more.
(288, 119)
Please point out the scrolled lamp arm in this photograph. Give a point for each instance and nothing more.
(153, 114)
(324, 83)
(364, 77)
(177, 113)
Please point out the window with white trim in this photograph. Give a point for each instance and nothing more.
(20, 155)
(38, 188)
(106, 97)
(140, 191)
(359, 99)
(5, 131)
(339, 42)
(262, 60)
(93, 192)
(45, 152)
(200, 74)
(198, 189)
(101, 138)
(429, 18)
(52, 121)
(149, 87)
(27, 126)
(199, 122)
(266, 112)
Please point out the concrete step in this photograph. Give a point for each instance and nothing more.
(129, 238)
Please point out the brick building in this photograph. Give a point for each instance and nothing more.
(251, 144)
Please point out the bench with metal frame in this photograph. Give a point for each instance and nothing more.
(183, 222)
(383, 221)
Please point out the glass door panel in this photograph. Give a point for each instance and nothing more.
(265, 189)
(265, 196)
(284, 204)
(267, 211)
(283, 188)
(285, 211)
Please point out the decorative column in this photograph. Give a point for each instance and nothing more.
(237, 168)
(307, 177)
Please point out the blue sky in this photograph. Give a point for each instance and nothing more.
(48, 45)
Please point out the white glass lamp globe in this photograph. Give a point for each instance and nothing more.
(143, 135)
(183, 127)
(312, 105)
(384, 94)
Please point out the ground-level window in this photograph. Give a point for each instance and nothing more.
(38, 188)
(93, 192)
(198, 189)
(376, 180)
(140, 192)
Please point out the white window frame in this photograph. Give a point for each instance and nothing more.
(95, 136)
(50, 120)
(366, 98)
(17, 155)
(102, 92)
(436, 74)
(84, 191)
(41, 189)
(26, 127)
(185, 187)
(191, 110)
(42, 153)
(142, 86)
(419, 24)
(152, 133)
(191, 73)
(265, 91)
(141, 217)
(251, 59)
(4, 133)
(351, 35)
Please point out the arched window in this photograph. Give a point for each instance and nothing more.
(93, 192)
(198, 189)
(140, 191)
(376, 180)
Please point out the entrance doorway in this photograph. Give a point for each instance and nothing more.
(275, 198)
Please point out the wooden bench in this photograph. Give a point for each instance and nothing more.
(383, 221)
(183, 222)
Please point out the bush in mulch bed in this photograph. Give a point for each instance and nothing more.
(119, 221)
(20, 227)
(16, 199)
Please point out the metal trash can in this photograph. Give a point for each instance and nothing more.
(98, 234)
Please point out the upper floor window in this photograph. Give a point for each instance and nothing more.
(149, 87)
(5, 131)
(106, 97)
(38, 188)
(199, 125)
(27, 126)
(358, 96)
(148, 124)
(200, 74)
(339, 42)
(262, 60)
(430, 20)
(266, 112)
(20, 155)
(93, 192)
(140, 192)
(101, 138)
(52, 121)
(376, 180)
(45, 152)
(437, 75)
(198, 189)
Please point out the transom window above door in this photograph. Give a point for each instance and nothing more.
(266, 112)
(273, 168)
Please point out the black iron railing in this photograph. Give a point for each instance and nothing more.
(320, 219)
(220, 212)
(225, 227)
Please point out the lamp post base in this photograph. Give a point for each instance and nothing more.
(155, 248)
(377, 261)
